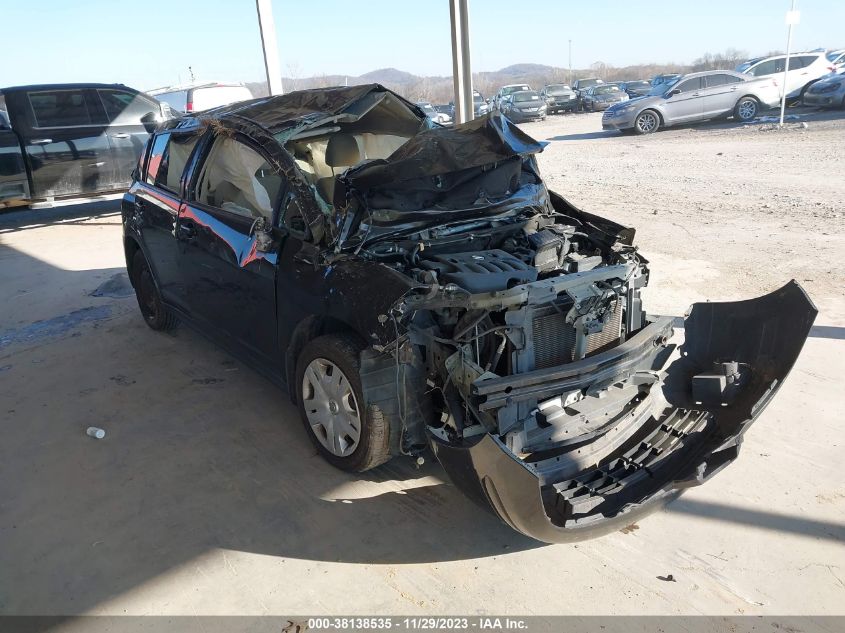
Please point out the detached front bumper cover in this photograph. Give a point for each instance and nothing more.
(683, 445)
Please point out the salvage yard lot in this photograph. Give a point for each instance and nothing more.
(206, 496)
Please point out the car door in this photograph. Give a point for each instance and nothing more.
(683, 102)
(126, 112)
(157, 199)
(719, 94)
(230, 281)
(65, 142)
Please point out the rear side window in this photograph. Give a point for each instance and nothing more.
(126, 107)
(168, 159)
(178, 100)
(59, 108)
(720, 80)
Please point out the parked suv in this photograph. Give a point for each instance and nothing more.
(420, 290)
(804, 69)
(199, 97)
(559, 98)
(71, 140)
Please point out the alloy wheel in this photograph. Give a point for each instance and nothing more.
(747, 109)
(646, 122)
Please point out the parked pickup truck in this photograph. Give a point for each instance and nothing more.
(69, 140)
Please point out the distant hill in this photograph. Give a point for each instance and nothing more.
(386, 76)
(439, 89)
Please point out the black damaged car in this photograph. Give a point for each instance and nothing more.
(418, 288)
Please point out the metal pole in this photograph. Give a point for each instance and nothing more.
(570, 62)
(461, 65)
(790, 20)
(268, 43)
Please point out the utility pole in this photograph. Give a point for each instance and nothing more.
(792, 18)
(570, 62)
(271, 49)
(461, 65)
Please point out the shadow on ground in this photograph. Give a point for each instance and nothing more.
(200, 453)
(19, 219)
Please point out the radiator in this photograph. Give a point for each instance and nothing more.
(554, 338)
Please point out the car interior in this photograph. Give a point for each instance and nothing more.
(371, 129)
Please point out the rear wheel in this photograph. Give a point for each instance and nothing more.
(746, 109)
(347, 432)
(155, 313)
(647, 122)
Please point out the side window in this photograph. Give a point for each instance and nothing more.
(126, 107)
(238, 179)
(59, 108)
(156, 154)
(765, 68)
(720, 80)
(690, 85)
(168, 158)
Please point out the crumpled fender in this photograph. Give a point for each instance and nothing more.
(766, 333)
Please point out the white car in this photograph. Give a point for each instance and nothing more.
(438, 117)
(196, 98)
(804, 69)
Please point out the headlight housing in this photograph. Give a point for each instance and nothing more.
(831, 87)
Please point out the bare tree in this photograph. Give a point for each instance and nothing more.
(293, 71)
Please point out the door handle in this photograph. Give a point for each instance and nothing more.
(186, 230)
(41, 141)
(120, 135)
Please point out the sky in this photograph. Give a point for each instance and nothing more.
(151, 45)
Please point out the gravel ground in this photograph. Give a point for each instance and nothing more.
(723, 211)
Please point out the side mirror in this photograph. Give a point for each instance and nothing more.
(673, 92)
(150, 122)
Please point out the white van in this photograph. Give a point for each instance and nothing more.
(196, 98)
(804, 69)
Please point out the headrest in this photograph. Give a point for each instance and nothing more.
(342, 151)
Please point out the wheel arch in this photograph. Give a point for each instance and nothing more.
(130, 247)
(306, 331)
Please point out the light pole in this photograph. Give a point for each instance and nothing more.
(268, 43)
(570, 62)
(792, 18)
(461, 65)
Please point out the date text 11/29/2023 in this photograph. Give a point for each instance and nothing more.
(480, 623)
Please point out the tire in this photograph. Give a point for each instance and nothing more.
(647, 122)
(157, 315)
(331, 405)
(746, 109)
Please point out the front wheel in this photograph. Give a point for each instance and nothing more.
(348, 434)
(746, 109)
(647, 122)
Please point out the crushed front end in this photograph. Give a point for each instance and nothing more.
(522, 353)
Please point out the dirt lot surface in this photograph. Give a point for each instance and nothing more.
(206, 497)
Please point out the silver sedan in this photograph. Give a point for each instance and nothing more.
(694, 97)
